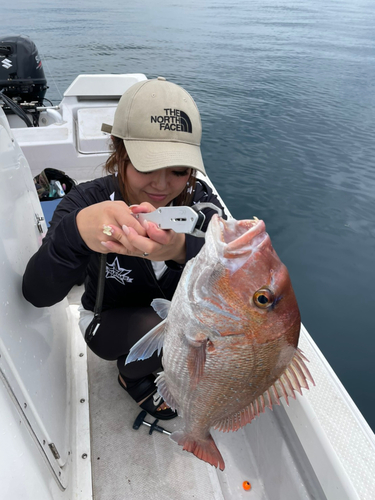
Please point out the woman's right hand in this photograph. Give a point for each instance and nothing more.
(92, 220)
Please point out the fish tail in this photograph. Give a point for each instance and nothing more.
(204, 449)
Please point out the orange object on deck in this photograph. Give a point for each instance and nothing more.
(246, 485)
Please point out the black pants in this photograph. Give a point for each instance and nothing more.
(119, 330)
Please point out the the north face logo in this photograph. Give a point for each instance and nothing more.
(173, 119)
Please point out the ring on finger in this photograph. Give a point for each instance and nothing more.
(107, 230)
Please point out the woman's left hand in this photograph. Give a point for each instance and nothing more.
(159, 245)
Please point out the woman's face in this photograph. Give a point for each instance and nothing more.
(159, 187)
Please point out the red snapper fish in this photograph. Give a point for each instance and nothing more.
(229, 336)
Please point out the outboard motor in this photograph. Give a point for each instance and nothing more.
(21, 72)
(22, 78)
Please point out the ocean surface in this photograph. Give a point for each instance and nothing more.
(286, 90)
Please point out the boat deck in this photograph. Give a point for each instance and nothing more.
(133, 464)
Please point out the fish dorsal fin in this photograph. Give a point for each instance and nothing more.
(165, 393)
(294, 378)
(161, 307)
(147, 345)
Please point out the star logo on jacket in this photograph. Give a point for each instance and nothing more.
(118, 273)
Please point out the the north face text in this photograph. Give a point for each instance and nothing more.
(173, 119)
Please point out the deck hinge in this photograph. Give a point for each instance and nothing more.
(39, 219)
(55, 453)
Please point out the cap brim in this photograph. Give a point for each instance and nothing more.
(147, 156)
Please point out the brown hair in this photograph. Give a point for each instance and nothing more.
(118, 162)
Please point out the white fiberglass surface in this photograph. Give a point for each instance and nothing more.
(339, 442)
(33, 343)
(23, 472)
(132, 464)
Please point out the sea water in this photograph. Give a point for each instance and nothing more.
(287, 97)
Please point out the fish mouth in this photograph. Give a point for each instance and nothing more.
(240, 236)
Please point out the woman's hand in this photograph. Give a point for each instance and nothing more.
(153, 243)
(109, 216)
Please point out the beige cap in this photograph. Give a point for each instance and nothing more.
(161, 126)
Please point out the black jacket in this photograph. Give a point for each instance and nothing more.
(64, 259)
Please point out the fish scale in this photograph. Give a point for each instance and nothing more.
(247, 387)
(230, 338)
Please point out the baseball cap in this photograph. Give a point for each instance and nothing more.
(160, 125)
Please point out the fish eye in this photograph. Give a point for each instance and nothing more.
(263, 298)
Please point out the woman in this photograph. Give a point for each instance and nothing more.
(156, 151)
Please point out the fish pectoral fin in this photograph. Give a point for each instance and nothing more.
(293, 379)
(196, 360)
(161, 307)
(204, 449)
(147, 345)
(165, 393)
